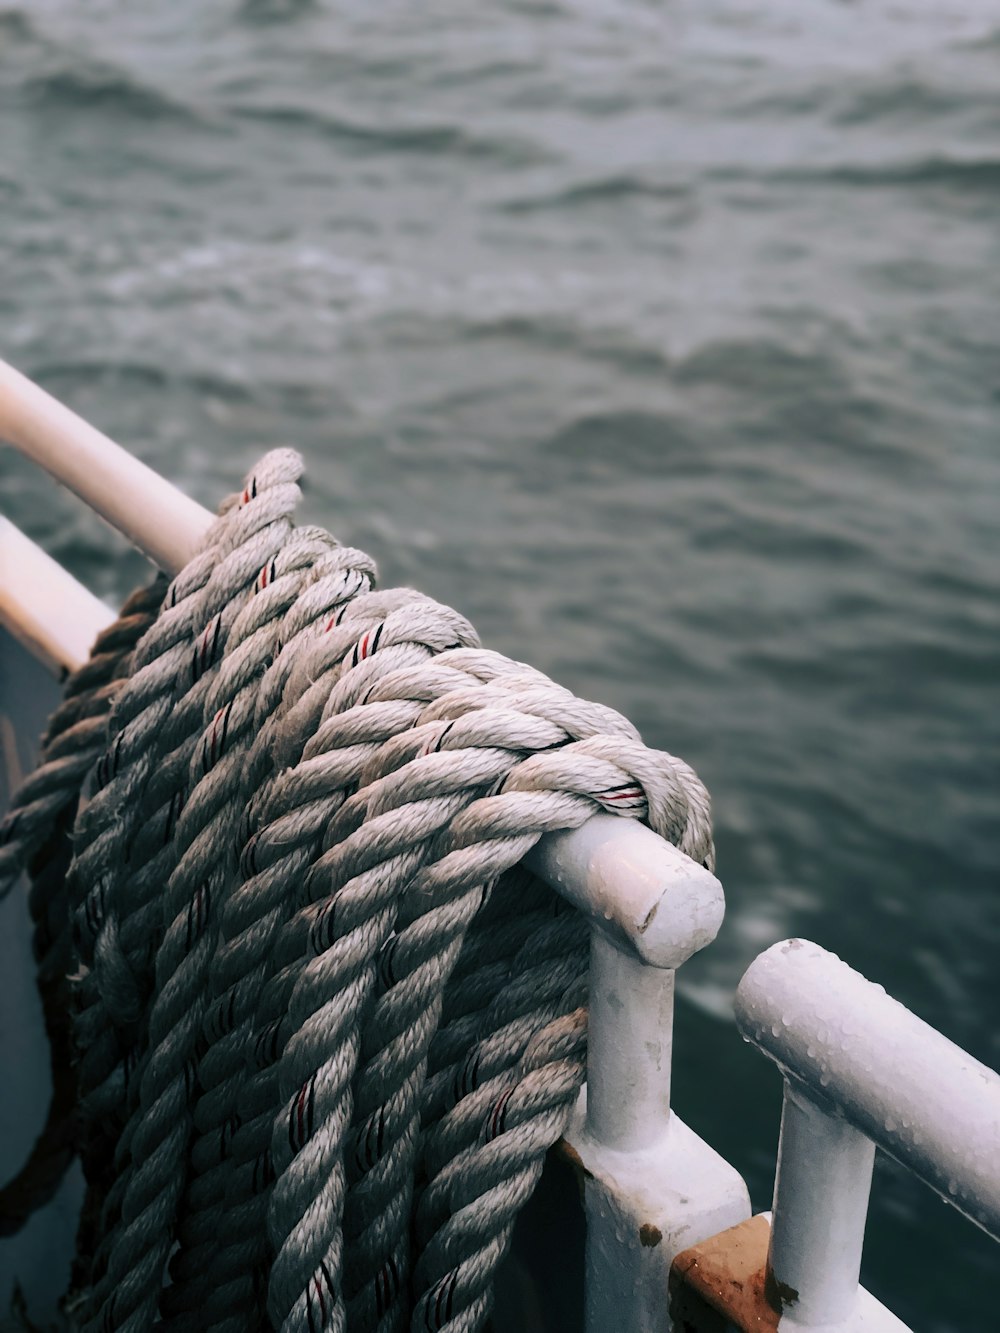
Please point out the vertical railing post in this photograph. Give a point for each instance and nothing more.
(629, 1041)
(821, 1188)
(651, 1186)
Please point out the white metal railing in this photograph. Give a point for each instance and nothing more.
(155, 516)
(860, 1070)
(45, 608)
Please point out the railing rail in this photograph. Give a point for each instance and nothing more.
(860, 1071)
(846, 1043)
(56, 618)
(154, 515)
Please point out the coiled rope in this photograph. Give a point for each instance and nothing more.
(326, 1023)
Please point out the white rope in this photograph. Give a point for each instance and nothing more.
(328, 1023)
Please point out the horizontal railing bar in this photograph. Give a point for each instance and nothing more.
(918, 1096)
(640, 891)
(44, 607)
(650, 899)
(154, 515)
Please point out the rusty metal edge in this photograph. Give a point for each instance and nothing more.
(722, 1283)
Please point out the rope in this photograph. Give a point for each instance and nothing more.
(34, 838)
(327, 1024)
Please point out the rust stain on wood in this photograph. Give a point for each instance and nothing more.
(723, 1282)
(565, 1150)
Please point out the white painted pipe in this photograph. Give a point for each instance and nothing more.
(652, 908)
(629, 1044)
(821, 1190)
(916, 1094)
(150, 512)
(44, 607)
(648, 897)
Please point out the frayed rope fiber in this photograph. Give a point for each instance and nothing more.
(325, 1024)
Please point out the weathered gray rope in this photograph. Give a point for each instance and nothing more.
(34, 837)
(472, 1204)
(374, 613)
(198, 1232)
(422, 957)
(159, 1132)
(74, 738)
(239, 965)
(330, 1026)
(128, 848)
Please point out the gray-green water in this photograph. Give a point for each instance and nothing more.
(664, 341)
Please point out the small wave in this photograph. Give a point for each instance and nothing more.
(622, 186)
(987, 41)
(50, 74)
(472, 73)
(275, 11)
(137, 374)
(771, 102)
(903, 98)
(978, 173)
(15, 26)
(448, 140)
(967, 174)
(643, 440)
(805, 394)
(749, 364)
(739, 531)
(552, 334)
(23, 45)
(538, 9)
(96, 86)
(18, 27)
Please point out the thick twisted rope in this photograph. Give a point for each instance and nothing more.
(128, 848)
(73, 740)
(238, 967)
(446, 898)
(329, 1025)
(34, 837)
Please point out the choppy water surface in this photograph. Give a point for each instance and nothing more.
(663, 340)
